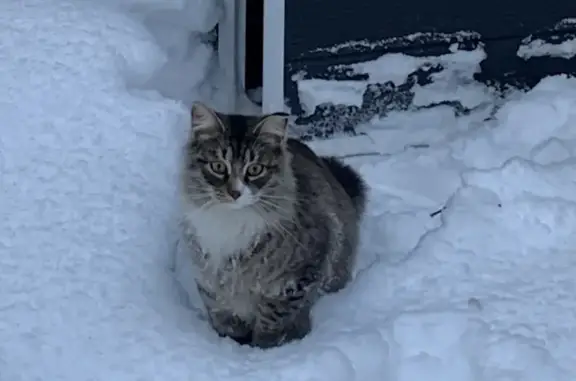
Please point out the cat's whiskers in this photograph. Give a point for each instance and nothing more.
(272, 207)
(193, 191)
(208, 204)
(195, 187)
(277, 224)
(277, 197)
(197, 196)
(290, 199)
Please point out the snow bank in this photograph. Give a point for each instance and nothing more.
(87, 177)
(191, 69)
(481, 290)
(538, 126)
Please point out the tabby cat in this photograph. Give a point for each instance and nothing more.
(270, 225)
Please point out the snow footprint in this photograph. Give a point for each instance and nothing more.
(433, 346)
(517, 358)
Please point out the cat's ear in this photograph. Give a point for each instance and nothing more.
(273, 127)
(205, 121)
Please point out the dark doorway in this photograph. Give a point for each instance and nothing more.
(254, 40)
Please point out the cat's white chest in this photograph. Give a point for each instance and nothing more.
(221, 231)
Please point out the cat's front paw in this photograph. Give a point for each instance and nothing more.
(267, 340)
(229, 325)
(334, 284)
(298, 329)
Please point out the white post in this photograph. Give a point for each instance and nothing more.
(273, 65)
(227, 55)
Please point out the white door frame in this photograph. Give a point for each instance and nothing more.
(228, 55)
(273, 66)
(232, 53)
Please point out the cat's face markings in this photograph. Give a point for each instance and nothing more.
(236, 187)
(238, 156)
(230, 173)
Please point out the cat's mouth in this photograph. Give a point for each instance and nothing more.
(244, 201)
(237, 198)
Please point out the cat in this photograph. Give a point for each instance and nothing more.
(270, 225)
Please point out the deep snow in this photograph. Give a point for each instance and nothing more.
(483, 290)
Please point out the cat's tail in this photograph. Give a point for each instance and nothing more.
(351, 181)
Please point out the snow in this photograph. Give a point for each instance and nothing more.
(396, 67)
(314, 92)
(540, 48)
(467, 267)
(552, 47)
(455, 82)
(460, 36)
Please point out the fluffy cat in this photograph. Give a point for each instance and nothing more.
(269, 225)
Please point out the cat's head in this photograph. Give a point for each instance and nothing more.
(237, 161)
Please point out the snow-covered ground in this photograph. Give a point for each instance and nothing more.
(484, 290)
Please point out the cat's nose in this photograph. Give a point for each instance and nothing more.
(235, 188)
(235, 194)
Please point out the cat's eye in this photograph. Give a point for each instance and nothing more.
(218, 167)
(254, 170)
